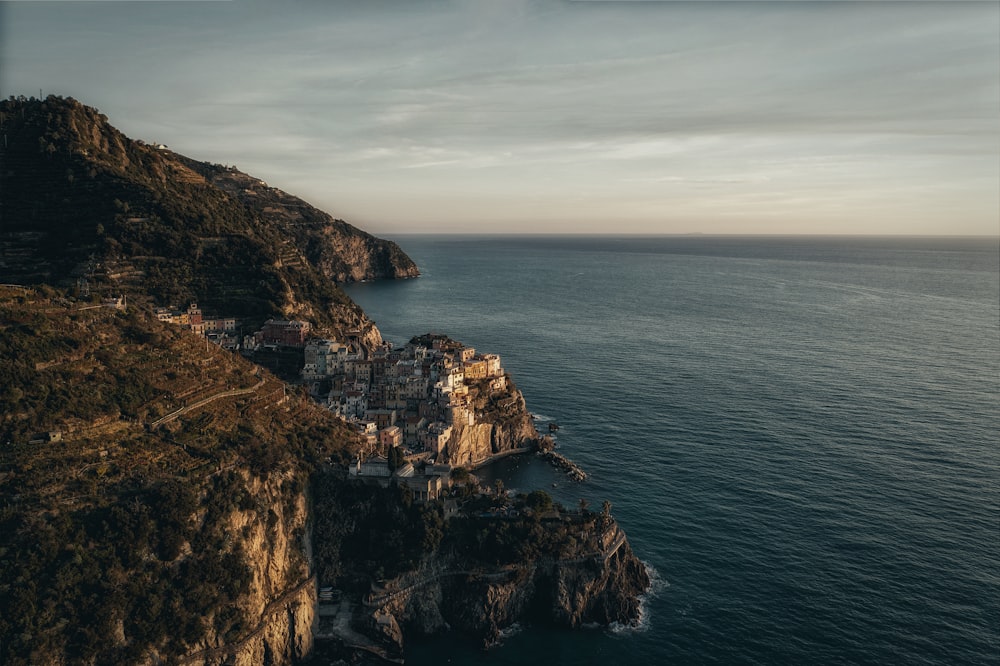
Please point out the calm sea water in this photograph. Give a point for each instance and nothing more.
(800, 435)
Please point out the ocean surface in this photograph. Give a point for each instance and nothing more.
(801, 436)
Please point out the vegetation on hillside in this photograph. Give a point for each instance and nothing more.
(365, 533)
(83, 201)
(114, 536)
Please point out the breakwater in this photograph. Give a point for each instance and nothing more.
(560, 461)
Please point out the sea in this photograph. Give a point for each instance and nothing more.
(800, 435)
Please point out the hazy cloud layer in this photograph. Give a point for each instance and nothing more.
(551, 116)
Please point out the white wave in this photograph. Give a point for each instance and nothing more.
(512, 630)
(641, 624)
(506, 633)
(541, 417)
(657, 583)
(637, 626)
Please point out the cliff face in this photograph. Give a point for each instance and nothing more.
(85, 205)
(502, 424)
(569, 591)
(280, 601)
(162, 513)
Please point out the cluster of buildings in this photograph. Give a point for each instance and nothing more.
(225, 332)
(220, 330)
(413, 396)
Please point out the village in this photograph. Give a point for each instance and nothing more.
(404, 402)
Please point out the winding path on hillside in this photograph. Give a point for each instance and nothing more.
(201, 403)
(230, 649)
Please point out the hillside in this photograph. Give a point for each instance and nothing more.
(82, 202)
(163, 500)
(152, 490)
(489, 562)
(155, 506)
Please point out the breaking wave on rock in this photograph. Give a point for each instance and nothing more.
(641, 624)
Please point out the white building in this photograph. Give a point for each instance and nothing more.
(323, 358)
(374, 466)
(493, 368)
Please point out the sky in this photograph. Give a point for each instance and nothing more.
(555, 116)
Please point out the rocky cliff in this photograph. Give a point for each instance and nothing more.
(280, 601)
(569, 591)
(160, 514)
(502, 424)
(87, 207)
(342, 252)
(492, 562)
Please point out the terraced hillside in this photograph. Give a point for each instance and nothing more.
(84, 204)
(152, 490)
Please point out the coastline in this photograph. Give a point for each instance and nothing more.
(503, 454)
(561, 462)
(557, 460)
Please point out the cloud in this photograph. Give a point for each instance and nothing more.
(565, 103)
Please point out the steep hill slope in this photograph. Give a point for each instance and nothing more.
(81, 201)
(152, 492)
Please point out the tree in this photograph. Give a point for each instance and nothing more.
(539, 500)
(396, 458)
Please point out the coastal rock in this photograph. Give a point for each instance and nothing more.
(587, 591)
(502, 425)
(570, 591)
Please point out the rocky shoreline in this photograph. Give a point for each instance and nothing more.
(563, 463)
(603, 587)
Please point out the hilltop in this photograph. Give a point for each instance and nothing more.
(85, 206)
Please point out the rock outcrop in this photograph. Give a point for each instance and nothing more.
(281, 596)
(502, 424)
(579, 588)
(491, 562)
(86, 206)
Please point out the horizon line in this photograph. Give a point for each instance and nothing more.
(691, 234)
